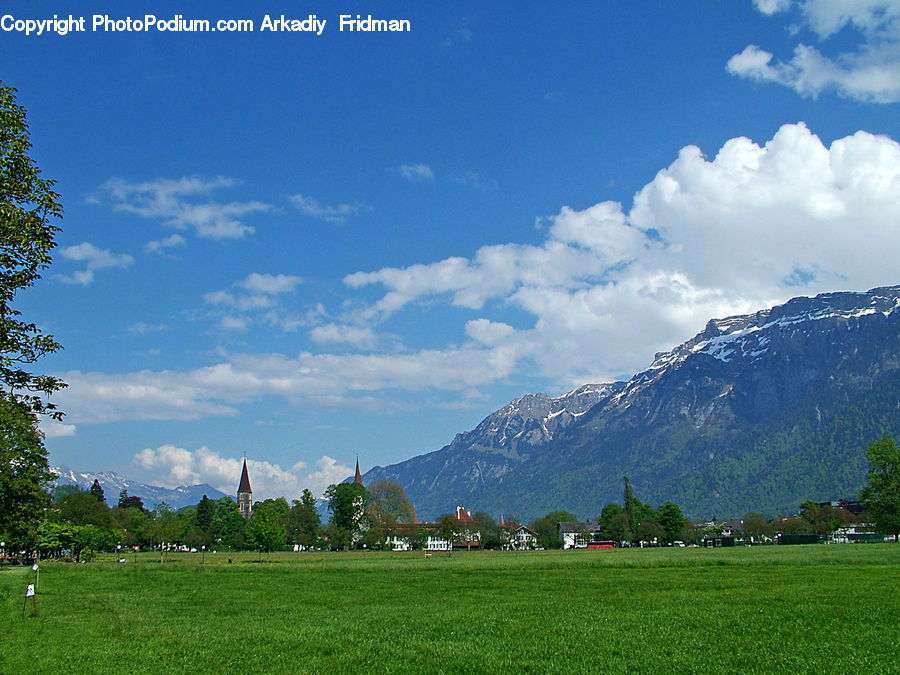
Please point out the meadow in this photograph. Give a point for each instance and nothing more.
(801, 609)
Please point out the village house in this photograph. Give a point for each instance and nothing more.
(522, 537)
(430, 535)
(579, 535)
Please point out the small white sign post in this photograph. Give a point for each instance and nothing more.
(29, 593)
(37, 572)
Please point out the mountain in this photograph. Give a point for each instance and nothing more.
(757, 412)
(151, 495)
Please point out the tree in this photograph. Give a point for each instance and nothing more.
(606, 515)
(60, 491)
(82, 508)
(618, 529)
(136, 525)
(206, 509)
(631, 505)
(97, 491)
(488, 529)
(881, 496)
(449, 531)
(757, 527)
(169, 528)
(265, 530)
(825, 519)
(133, 502)
(672, 520)
(228, 524)
(304, 521)
(388, 506)
(337, 537)
(650, 531)
(24, 474)
(348, 503)
(27, 206)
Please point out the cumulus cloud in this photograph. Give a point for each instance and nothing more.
(871, 73)
(171, 466)
(94, 258)
(338, 213)
(708, 237)
(704, 238)
(181, 203)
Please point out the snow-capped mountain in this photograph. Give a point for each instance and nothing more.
(756, 412)
(151, 495)
(533, 419)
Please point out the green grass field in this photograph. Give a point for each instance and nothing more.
(803, 609)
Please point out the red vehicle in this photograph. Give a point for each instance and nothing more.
(601, 544)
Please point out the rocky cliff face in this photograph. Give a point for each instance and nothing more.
(756, 412)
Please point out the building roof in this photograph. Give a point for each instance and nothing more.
(463, 517)
(358, 478)
(244, 485)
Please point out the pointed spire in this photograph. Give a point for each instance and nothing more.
(415, 517)
(245, 492)
(244, 485)
(358, 479)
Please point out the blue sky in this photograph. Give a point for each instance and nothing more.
(305, 248)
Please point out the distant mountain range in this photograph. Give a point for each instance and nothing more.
(151, 495)
(757, 412)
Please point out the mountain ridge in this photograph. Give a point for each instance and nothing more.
(724, 423)
(151, 495)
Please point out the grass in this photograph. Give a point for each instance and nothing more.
(803, 609)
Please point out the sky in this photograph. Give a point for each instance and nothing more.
(306, 248)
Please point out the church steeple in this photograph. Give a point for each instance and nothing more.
(358, 479)
(245, 493)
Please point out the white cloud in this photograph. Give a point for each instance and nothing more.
(94, 259)
(772, 6)
(753, 226)
(217, 390)
(53, 429)
(415, 172)
(271, 284)
(704, 238)
(162, 245)
(171, 466)
(253, 294)
(333, 214)
(872, 73)
(173, 202)
(363, 337)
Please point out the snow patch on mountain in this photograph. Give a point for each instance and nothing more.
(151, 495)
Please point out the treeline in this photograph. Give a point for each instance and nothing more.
(79, 523)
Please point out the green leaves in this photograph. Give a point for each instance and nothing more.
(28, 207)
(882, 493)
